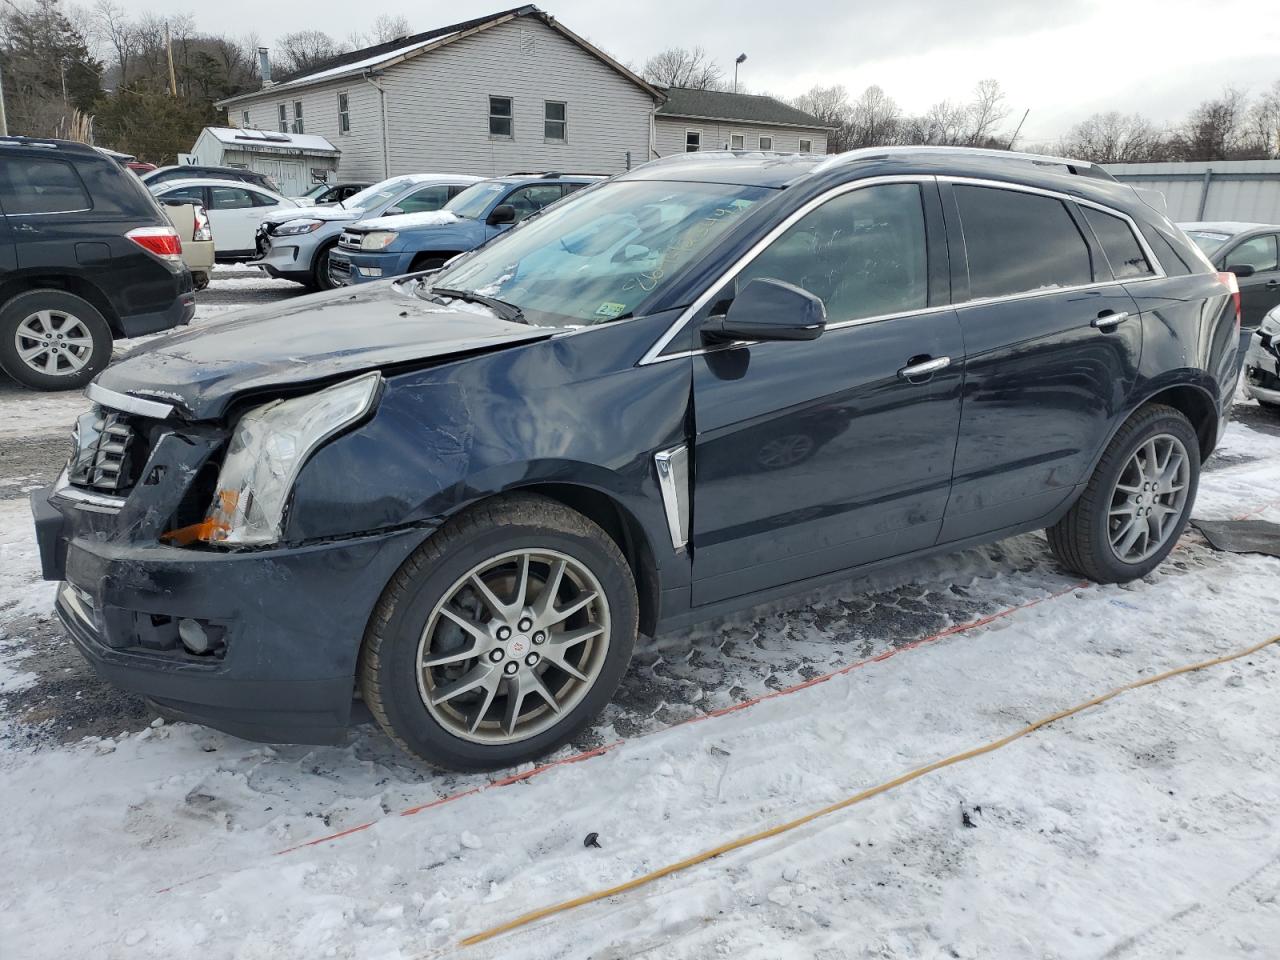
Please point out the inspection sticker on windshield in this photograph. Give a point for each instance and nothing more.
(610, 309)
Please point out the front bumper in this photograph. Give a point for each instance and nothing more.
(286, 258)
(286, 623)
(176, 314)
(1262, 368)
(348, 267)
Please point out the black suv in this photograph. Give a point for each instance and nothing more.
(189, 171)
(86, 255)
(699, 385)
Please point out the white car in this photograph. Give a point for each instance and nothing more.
(235, 210)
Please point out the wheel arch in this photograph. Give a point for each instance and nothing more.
(69, 282)
(422, 255)
(1196, 404)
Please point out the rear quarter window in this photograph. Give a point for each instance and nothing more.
(35, 184)
(1020, 243)
(1118, 242)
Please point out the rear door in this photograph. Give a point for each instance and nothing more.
(1052, 343)
(1260, 291)
(810, 457)
(235, 212)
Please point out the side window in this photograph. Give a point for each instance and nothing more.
(456, 189)
(529, 200)
(189, 194)
(428, 198)
(766, 143)
(572, 188)
(863, 254)
(41, 185)
(735, 141)
(282, 116)
(344, 113)
(1259, 253)
(555, 124)
(1019, 242)
(297, 117)
(1119, 244)
(262, 199)
(806, 146)
(500, 117)
(229, 198)
(692, 141)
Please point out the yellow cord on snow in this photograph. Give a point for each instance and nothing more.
(848, 801)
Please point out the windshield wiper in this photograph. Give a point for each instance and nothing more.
(506, 311)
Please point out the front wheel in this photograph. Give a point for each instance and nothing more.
(501, 637)
(320, 279)
(1137, 502)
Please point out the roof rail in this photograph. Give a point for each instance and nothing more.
(551, 174)
(1083, 168)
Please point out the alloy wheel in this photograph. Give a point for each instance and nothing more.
(1149, 498)
(53, 342)
(513, 646)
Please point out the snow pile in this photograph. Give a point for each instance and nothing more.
(403, 221)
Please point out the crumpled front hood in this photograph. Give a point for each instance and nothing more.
(317, 337)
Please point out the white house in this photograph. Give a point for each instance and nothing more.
(293, 160)
(693, 120)
(512, 91)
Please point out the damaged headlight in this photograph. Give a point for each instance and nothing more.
(297, 227)
(268, 449)
(1271, 324)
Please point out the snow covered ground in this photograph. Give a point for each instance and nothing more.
(1146, 828)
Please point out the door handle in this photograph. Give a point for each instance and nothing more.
(1273, 283)
(1108, 320)
(925, 368)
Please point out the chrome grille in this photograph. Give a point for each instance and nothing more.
(109, 452)
(349, 240)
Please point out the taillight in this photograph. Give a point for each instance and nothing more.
(1233, 285)
(203, 230)
(162, 241)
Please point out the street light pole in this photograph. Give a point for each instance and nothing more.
(736, 64)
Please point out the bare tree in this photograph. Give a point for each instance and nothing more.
(113, 28)
(387, 26)
(1214, 129)
(1114, 137)
(987, 111)
(874, 120)
(681, 67)
(304, 49)
(1263, 124)
(830, 106)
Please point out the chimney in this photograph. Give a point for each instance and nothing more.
(264, 67)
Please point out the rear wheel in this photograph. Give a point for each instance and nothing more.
(1137, 502)
(52, 340)
(501, 637)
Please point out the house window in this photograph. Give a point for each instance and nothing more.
(692, 141)
(500, 117)
(766, 143)
(244, 119)
(806, 146)
(283, 113)
(297, 116)
(344, 114)
(735, 142)
(555, 121)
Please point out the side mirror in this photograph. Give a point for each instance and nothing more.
(769, 310)
(502, 213)
(393, 211)
(1242, 270)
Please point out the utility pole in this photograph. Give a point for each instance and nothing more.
(4, 122)
(1014, 138)
(168, 46)
(737, 63)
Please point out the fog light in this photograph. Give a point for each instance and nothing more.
(370, 271)
(193, 636)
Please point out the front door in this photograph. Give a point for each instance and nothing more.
(810, 457)
(1052, 343)
(1260, 291)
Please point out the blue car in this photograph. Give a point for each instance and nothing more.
(391, 246)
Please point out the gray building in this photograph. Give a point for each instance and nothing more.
(512, 91)
(1247, 190)
(693, 120)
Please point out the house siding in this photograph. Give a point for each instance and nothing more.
(669, 135)
(438, 106)
(361, 148)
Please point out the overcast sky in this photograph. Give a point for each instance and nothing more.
(1063, 59)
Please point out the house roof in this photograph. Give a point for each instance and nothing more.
(744, 107)
(383, 55)
(269, 140)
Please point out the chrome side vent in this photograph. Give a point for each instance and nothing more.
(673, 481)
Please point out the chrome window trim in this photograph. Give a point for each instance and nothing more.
(90, 501)
(129, 404)
(654, 353)
(673, 481)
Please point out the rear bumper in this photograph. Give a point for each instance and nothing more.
(175, 315)
(285, 624)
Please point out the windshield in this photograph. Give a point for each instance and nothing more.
(1208, 242)
(471, 202)
(378, 195)
(597, 256)
(315, 191)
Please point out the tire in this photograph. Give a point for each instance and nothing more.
(474, 729)
(36, 317)
(428, 261)
(1092, 537)
(320, 268)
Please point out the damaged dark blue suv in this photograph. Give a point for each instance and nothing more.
(714, 380)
